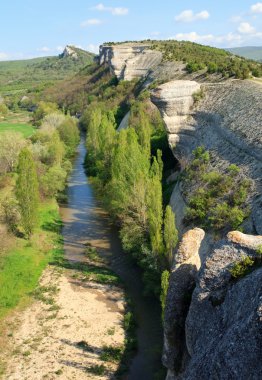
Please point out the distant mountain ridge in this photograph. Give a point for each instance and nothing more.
(251, 52)
(23, 75)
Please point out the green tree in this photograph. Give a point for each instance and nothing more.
(27, 192)
(154, 205)
(164, 288)
(170, 234)
(69, 134)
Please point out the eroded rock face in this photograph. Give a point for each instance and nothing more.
(69, 52)
(129, 61)
(182, 281)
(175, 100)
(227, 122)
(223, 328)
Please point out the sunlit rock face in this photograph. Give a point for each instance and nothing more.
(216, 333)
(175, 101)
(129, 61)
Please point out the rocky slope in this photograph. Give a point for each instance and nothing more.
(227, 121)
(213, 323)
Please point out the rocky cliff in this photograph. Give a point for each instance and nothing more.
(129, 61)
(213, 321)
(227, 121)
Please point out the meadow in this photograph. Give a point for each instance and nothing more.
(17, 122)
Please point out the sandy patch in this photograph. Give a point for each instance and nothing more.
(62, 336)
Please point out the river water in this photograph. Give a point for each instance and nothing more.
(85, 221)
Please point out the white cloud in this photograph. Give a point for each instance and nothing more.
(44, 49)
(91, 21)
(190, 16)
(235, 19)
(117, 11)
(256, 8)
(155, 33)
(227, 39)
(93, 48)
(3, 56)
(246, 28)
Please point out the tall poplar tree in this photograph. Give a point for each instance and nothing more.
(27, 191)
(170, 234)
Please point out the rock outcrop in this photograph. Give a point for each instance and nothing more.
(69, 52)
(219, 336)
(129, 61)
(224, 323)
(182, 282)
(175, 101)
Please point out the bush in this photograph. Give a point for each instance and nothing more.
(242, 268)
(218, 200)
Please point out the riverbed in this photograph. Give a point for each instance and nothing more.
(85, 221)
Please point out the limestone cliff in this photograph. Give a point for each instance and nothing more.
(129, 61)
(227, 121)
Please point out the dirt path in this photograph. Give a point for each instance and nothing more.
(63, 334)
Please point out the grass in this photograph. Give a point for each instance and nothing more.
(21, 268)
(97, 370)
(17, 122)
(112, 354)
(26, 129)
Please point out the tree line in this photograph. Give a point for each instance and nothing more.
(36, 168)
(129, 178)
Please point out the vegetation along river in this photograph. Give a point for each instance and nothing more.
(85, 221)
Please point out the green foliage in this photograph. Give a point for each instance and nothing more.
(197, 96)
(27, 191)
(69, 134)
(34, 75)
(170, 234)
(217, 200)
(43, 109)
(10, 213)
(213, 60)
(242, 268)
(111, 354)
(3, 109)
(164, 288)
(21, 267)
(97, 370)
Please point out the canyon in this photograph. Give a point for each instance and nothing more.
(212, 324)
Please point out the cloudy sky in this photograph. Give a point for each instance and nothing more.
(31, 28)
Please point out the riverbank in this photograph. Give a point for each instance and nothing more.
(77, 326)
(74, 329)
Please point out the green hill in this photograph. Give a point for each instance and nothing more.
(250, 52)
(34, 74)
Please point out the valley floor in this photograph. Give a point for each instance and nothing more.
(65, 332)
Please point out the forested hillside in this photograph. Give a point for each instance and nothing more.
(22, 76)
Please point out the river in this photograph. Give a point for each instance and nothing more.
(85, 221)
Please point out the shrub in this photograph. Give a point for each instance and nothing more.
(218, 200)
(241, 268)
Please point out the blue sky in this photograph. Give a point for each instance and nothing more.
(31, 28)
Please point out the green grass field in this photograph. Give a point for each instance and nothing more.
(26, 129)
(21, 268)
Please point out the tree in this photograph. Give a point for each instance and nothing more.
(170, 234)
(27, 192)
(154, 205)
(164, 288)
(69, 134)
(11, 144)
